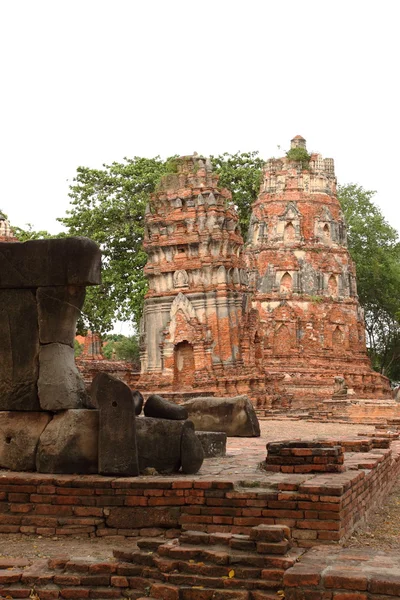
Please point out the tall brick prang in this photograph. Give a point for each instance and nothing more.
(304, 283)
(192, 326)
(277, 318)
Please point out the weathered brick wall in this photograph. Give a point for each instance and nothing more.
(304, 457)
(226, 319)
(318, 508)
(259, 566)
(326, 574)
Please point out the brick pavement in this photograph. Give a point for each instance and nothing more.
(245, 454)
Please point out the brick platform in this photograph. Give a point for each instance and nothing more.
(333, 574)
(319, 508)
(305, 457)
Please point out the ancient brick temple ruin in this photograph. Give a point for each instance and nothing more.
(6, 233)
(277, 318)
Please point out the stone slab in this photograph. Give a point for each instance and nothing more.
(69, 443)
(51, 262)
(159, 444)
(58, 311)
(60, 385)
(19, 438)
(19, 350)
(213, 442)
(117, 426)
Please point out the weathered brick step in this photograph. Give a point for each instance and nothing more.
(150, 544)
(262, 533)
(137, 557)
(172, 592)
(221, 558)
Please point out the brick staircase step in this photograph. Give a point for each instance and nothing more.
(150, 544)
(138, 557)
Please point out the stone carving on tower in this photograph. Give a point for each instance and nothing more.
(191, 333)
(305, 282)
(278, 318)
(6, 233)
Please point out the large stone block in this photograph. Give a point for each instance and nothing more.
(58, 311)
(161, 444)
(234, 416)
(19, 349)
(42, 263)
(117, 428)
(213, 442)
(69, 443)
(60, 385)
(19, 438)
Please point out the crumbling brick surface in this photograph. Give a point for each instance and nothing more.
(277, 318)
(304, 457)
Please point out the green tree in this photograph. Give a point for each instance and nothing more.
(107, 205)
(241, 173)
(77, 348)
(123, 348)
(375, 248)
(24, 235)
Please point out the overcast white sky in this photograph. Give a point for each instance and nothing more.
(86, 82)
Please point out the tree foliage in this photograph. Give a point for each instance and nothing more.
(107, 205)
(121, 347)
(28, 233)
(375, 248)
(241, 173)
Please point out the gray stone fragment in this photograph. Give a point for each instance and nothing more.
(60, 385)
(117, 429)
(19, 349)
(137, 401)
(19, 437)
(159, 408)
(159, 444)
(213, 443)
(234, 416)
(69, 443)
(192, 454)
(58, 310)
(52, 262)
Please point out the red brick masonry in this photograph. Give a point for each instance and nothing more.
(319, 508)
(199, 566)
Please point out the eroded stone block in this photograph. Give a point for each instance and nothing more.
(192, 453)
(60, 385)
(117, 428)
(159, 444)
(19, 349)
(19, 438)
(213, 442)
(69, 443)
(52, 262)
(58, 312)
(234, 416)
